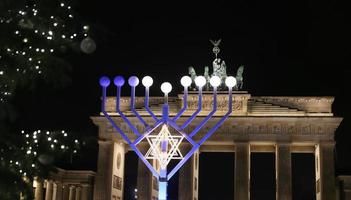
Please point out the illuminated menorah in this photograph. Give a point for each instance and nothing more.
(164, 146)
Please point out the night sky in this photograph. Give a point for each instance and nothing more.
(288, 48)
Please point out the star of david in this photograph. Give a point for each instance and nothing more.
(172, 150)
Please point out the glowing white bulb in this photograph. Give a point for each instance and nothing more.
(49, 138)
(166, 87)
(185, 81)
(62, 146)
(147, 81)
(230, 81)
(200, 81)
(215, 81)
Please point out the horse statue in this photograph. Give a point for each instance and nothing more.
(207, 77)
(239, 78)
(192, 74)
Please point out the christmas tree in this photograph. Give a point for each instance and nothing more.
(36, 35)
(36, 38)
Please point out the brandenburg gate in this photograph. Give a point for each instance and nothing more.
(282, 125)
(279, 124)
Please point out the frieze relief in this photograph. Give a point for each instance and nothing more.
(239, 102)
(243, 128)
(262, 129)
(308, 104)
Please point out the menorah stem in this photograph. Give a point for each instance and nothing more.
(199, 107)
(165, 112)
(204, 121)
(166, 98)
(185, 104)
(103, 102)
(146, 104)
(132, 107)
(118, 97)
(118, 100)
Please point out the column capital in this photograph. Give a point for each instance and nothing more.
(85, 185)
(283, 143)
(327, 143)
(237, 143)
(105, 142)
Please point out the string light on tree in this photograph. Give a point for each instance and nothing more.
(39, 30)
(37, 151)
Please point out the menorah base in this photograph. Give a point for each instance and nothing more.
(162, 190)
(162, 184)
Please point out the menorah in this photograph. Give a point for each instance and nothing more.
(164, 146)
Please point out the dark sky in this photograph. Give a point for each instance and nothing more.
(288, 48)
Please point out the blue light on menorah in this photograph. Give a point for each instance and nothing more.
(164, 146)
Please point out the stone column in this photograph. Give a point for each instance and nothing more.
(242, 171)
(188, 178)
(49, 190)
(325, 174)
(57, 191)
(283, 171)
(78, 193)
(110, 170)
(38, 193)
(145, 178)
(102, 189)
(72, 192)
(65, 193)
(86, 194)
